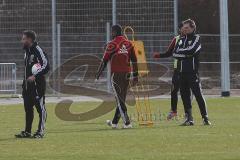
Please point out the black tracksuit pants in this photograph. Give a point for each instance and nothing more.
(34, 95)
(174, 90)
(191, 82)
(120, 83)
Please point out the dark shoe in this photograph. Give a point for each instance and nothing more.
(206, 122)
(38, 135)
(23, 134)
(187, 123)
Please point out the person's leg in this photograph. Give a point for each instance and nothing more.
(174, 100)
(120, 84)
(197, 91)
(41, 109)
(29, 114)
(174, 91)
(28, 100)
(186, 97)
(40, 106)
(116, 117)
(174, 95)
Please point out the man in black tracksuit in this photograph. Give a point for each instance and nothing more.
(34, 85)
(187, 52)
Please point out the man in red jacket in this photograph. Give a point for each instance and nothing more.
(120, 54)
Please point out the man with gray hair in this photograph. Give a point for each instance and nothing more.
(187, 51)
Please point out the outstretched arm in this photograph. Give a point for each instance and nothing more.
(169, 51)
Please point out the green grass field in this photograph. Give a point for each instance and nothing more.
(94, 140)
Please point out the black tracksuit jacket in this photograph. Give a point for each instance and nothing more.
(187, 52)
(34, 55)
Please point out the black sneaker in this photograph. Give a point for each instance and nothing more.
(187, 123)
(206, 122)
(23, 134)
(38, 135)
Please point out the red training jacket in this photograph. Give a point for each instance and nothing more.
(120, 53)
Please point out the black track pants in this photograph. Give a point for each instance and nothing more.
(120, 84)
(191, 82)
(34, 95)
(174, 90)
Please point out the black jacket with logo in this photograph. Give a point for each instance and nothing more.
(34, 55)
(187, 52)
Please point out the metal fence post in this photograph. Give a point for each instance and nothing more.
(59, 58)
(108, 65)
(175, 17)
(15, 78)
(224, 38)
(114, 12)
(54, 41)
(114, 21)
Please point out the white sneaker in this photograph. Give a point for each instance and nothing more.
(127, 126)
(109, 123)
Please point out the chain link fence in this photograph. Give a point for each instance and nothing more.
(83, 32)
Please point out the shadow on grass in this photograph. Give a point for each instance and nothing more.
(84, 130)
(8, 139)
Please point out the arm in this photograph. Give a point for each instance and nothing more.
(133, 59)
(101, 68)
(42, 58)
(109, 51)
(169, 51)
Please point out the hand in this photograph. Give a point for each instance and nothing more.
(156, 55)
(31, 78)
(134, 81)
(97, 76)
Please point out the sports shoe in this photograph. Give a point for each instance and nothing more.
(206, 121)
(38, 135)
(127, 126)
(171, 115)
(23, 134)
(187, 123)
(110, 124)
